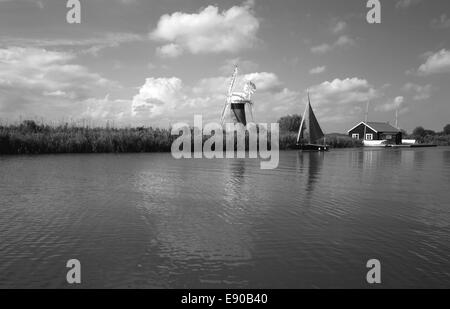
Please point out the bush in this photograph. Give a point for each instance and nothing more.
(290, 123)
(447, 130)
(419, 132)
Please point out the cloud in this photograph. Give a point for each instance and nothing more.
(404, 4)
(38, 3)
(245, 66)
(265, 82)
(341, 99)
(438, 62)
(128, 1)
(392, 105)
(41, 3)
(158, 97)
(321, 49)
(169, 51)
(418, 92)
(122, 2)
(209, 31)
(107, 109)
(339, 27)
(343, 92)
(92, 45)
(318, 70)
(167, 100)
(38, 82)
(342, 41)
(443, 22)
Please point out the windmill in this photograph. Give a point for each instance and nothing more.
(234, 110)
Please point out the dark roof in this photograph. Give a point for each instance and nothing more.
(378, 127)
(382, 127)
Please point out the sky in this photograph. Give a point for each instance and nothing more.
(158, 62)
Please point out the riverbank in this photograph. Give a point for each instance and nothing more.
(32, 138)
(439, 140)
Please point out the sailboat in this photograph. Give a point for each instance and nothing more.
(310, 131)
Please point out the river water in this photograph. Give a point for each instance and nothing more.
(150, 221)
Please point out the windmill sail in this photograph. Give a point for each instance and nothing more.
(309, 129)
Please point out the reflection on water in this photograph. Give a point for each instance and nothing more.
(147, 220)
(311, 162)
(419, 158)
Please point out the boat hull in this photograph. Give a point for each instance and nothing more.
(413, 146)
(312, 147)
(381, 143)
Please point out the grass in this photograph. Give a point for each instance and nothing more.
(29, 138)
(32, 138)
(288, 140)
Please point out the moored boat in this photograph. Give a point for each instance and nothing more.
(310, 131)
(413, 146)
(374, 143)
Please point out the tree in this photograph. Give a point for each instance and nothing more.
(447, 129)
(430, 132)
(404, 133)
(419, 132)
(290, 123)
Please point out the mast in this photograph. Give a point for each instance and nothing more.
(303, 122)
(396, 118)
(365, 120)
(311, 125)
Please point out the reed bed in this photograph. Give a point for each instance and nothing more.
(32, 138)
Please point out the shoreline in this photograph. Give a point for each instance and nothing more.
(30, 138)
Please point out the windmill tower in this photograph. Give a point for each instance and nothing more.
(238, 103)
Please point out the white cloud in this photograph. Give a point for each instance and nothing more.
(392, 105)
(245, 66)
(438, 62)
(339, 27)
(37, 82)
(169, 51)
(265, 82)
(91, 45)
(209, 31)
(341, 99)
(158, 97)
(102, 110)
(342, 41)
(40, 83)
(38, 3)
(343, 92)
(167, 100)
(404, 4)
(443, 22)
(418, 92)
(321, 49)
(318, 70)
